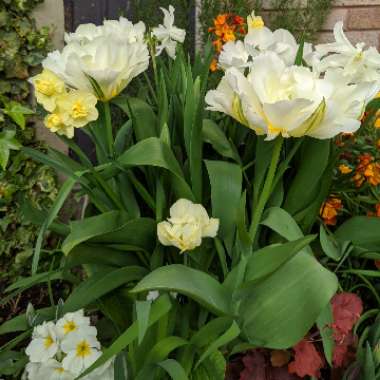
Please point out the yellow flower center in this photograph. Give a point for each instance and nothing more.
(238, 111)
(48, 341)
(359, 56)
(83, 349)
(59, 369)
(53, 121)
(45, 87)
(79, 110)
(255, 22)
(69, 326)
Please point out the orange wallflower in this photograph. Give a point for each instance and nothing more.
(377, 123)
(214, 65)
(378, 144)
(345, 169)
(372, 173)
(329, 210)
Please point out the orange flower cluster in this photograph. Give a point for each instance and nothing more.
(367, 170)
(227, 27)
(330, 209)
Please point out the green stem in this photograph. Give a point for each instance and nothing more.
(267, 189)
(108, 121)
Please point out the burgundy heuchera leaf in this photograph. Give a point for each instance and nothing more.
(346, 308)
(307, 360)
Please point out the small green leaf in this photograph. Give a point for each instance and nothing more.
(142, 313)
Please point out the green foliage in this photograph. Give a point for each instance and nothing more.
(299, 19)
(22, 48)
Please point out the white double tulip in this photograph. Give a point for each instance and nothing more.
(101, 59)
(276, 99)
(187, 225)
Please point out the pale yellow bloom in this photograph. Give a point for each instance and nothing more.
(77, 108)
(187, 225)
(54, 122)
(47, 87)
(254, 22)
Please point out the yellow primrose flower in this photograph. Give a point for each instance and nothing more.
(77, 108)
(54, 122)
(47, 87)
(254, 22)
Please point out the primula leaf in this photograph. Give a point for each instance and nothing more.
(195, 284)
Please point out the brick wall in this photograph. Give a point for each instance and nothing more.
(361, 20)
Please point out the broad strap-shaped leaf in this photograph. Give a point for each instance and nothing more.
(226, 186)
(159, 308)
(362, 231)
(191, 282)
(100, 284)
(324, 323)
(91, 227)
(144, 120)
(212, 133)
(268, 259)
(137, 233)
(305, 186)
(154, 152)
(279, 311)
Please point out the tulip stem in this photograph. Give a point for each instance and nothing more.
(267, 189)
(108, 121)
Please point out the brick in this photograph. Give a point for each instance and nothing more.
(268, 4)
(363, 18)
(336, 14)
(371, 38)
(355, 3)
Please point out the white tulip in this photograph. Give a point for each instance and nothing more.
(358, 64)
(168, 34)
(281, 42)
(44, 344)
(233, 54)
(187, 225)
(345, 105)
(224, 100)
(72, 323)
(81, 352)
(112, 55)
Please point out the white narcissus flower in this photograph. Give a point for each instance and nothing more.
(358, 64)
(233, 55)
(54, 122)
(44, 344)
(254, 22)
(111, 55)
(168, 34)
(187, 225)
(53, 370)
(81, 352)
(72, 323)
